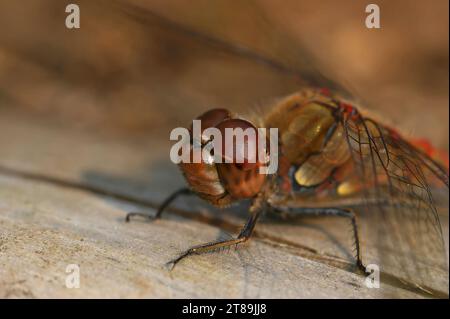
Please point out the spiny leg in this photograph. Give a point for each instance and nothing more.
(162, 207)
(294, 212)
(243, 236)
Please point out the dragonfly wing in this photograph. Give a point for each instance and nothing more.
(404, 224)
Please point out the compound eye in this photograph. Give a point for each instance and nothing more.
(239, 143)
(212, 118)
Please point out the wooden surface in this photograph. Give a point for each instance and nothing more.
(48, 220)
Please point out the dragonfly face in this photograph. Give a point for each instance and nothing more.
(223, 183)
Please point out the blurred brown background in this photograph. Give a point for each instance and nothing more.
(126, 71)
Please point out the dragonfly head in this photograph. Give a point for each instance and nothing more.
(229, 170)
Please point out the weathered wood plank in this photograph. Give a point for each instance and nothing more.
(44, 228)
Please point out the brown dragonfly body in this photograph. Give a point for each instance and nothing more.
(315, 153)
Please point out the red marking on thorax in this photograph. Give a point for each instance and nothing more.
(349, 110)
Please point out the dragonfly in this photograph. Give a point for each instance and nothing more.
(335, 159)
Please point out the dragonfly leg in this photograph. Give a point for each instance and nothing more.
(340, 212)
(243, 236)
(162, 207)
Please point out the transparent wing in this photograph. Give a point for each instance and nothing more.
(243, 29)
(222, 54)
(402, 230)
